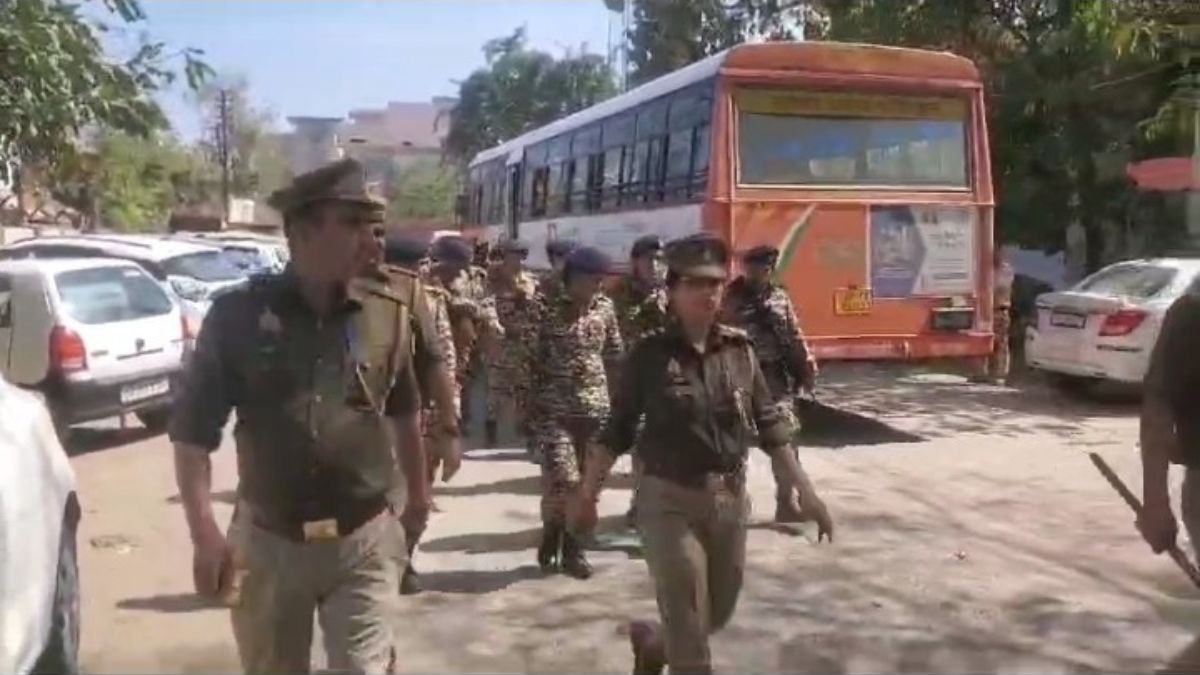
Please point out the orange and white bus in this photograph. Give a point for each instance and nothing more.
(867, 166)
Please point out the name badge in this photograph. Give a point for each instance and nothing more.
(320, 529)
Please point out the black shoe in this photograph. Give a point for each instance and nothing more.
(410, 582)
(547, 553)
(489, 434)
(574, 562)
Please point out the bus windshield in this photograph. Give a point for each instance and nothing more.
(836, 138)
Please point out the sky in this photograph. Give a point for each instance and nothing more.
(327, 57)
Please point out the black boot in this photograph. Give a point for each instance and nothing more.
(574, 562)
(547, 553)
(489, 434)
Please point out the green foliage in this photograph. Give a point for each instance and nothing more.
(521, 89)
(136, 181)
(424, 189)
(55, 79)
(669, 34)
(258, 157)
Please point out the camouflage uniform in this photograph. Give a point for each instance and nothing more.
(434, 419)
(640, 309)
(769, 319)
(517, 307)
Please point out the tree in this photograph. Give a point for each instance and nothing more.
(521, 89)
(258, 157)
(424, 189)
(133, 182)
(55, 80)
(669, 34)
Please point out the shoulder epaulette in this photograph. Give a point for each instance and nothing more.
(732, 333)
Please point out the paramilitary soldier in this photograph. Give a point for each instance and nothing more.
(764, 310)
(550, 282)
(1170, 425)
(641, 304)
(578, 344)
(705, 401)
(319, 364)
(517, 305)
(441, 450)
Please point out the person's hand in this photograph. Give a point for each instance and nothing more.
(211, 560)
(416, 514)
(581, 512)
(815, 509)
(1157, 525)
(452, 462)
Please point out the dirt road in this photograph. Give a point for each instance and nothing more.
(974, 536)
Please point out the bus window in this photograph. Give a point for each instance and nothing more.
(821, 138)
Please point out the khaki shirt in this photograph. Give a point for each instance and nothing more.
(1172, 384)
(702, 411)
(313, 394)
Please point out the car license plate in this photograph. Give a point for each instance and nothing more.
(141, 392)
(1068, 320)
(852, 301)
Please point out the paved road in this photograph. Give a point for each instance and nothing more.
(974, 536)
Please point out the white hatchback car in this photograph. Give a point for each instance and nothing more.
(1104, 327)
(39, 520)
(97, 337)
(194, 273)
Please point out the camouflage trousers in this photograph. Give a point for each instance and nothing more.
(506, 386)
(564, 445)
(783, 397)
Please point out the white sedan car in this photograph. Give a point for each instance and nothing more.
(39, 516)
(1104, 327)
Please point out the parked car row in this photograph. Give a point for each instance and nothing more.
(1104, 327)
(100, 324)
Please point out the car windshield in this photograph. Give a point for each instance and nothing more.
(824, 138)
(110, 294)
(203, 266)
(248, 259)
(1129, 280)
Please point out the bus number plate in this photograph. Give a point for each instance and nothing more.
(852, 301)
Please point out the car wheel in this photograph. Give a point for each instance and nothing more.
(155, 420)
(61, 654)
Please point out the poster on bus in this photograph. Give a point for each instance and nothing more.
(921, 251)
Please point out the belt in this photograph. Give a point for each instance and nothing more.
(349, 519)
(733, 480)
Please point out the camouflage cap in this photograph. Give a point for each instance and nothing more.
(699, 255)
(343, 181)
(452, 249)
(647, 245)
(761, 255)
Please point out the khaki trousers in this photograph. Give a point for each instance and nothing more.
(695, 545)
(351, 583)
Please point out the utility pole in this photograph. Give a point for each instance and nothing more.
(224, 134)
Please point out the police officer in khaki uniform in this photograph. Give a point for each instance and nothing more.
(1170, 425)
(319, 364)
(704, 401)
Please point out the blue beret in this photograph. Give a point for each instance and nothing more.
(763, 255)
(588, 260)
(453, 250)
(646, 245)
(514, 246)
(559, 248)
(399, 249)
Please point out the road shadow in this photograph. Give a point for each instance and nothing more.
(825, 426)
(175, 603)
(81, 441)
(222, 496)
(931, 404)
(526, 485)
(477, 582)
(485, 542)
